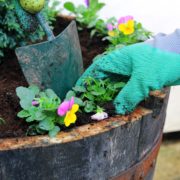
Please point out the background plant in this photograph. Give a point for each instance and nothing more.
(87, 15)
(11, 33)
(125, 31)
(113, 30)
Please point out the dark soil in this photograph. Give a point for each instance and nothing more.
(12, 77)
(90, 47)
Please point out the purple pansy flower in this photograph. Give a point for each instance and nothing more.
(65, 106)
(110, 27)
(86, 2)
(35, 103)
(124, 19)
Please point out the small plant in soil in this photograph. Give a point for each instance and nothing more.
(44, 111)
(96, 93)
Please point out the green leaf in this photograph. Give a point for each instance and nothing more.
(50, 93)
(26, 97)
(46, 124)
(70, 94)
(93, 3)
(60, 120)
(139, 25)
(119, 85)
(78, 101)
(89, 96)
(23, 92)
(23, 114)
(93, 32)
(42, 94)
(34, 89)
(81, 9)
(98, 91)
(89, 107)
(79, 89)
(99, 7)
(2, 121)
(26, 103)
(69, 6)
(40, 115)
(54, 131)
(32, 130)
(91, 24)
(30, 119)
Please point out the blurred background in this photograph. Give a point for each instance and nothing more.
(156, 16)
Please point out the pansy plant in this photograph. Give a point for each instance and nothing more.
(125, 31)
(96, 93)
(67, 109)
(44, 111)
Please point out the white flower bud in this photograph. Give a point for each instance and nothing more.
(99, 116)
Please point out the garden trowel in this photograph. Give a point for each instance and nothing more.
(56, 63)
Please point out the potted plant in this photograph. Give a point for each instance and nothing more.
(120, 146)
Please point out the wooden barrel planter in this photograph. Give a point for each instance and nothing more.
(122, 148)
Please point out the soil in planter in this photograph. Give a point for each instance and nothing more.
(12, 77)
(90, 47)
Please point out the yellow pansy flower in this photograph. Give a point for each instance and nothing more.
(127, 28)
(112, 33)
(71, 116)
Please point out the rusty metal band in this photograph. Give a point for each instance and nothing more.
(140, 170)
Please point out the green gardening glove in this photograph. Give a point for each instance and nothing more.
(151, 65)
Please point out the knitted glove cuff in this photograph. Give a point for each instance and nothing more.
(170, 43)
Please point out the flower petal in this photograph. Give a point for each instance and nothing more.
(128, 31)
(86, 2)
(121, 20)
(112, 33)
(75, 108)
(70, 118)
(63, 108)
(67, 119)
(121, 27)
(127, 18)
(71, 102)
(130, 23)
(73, 118)
(110, 27)
(35, 103)
(99, 116)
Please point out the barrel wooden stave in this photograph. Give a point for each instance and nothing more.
(152, 125)
(99, 156)
(95, 157)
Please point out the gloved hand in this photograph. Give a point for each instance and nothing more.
(150, 65)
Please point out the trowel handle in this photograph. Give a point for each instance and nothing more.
(45, 26)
